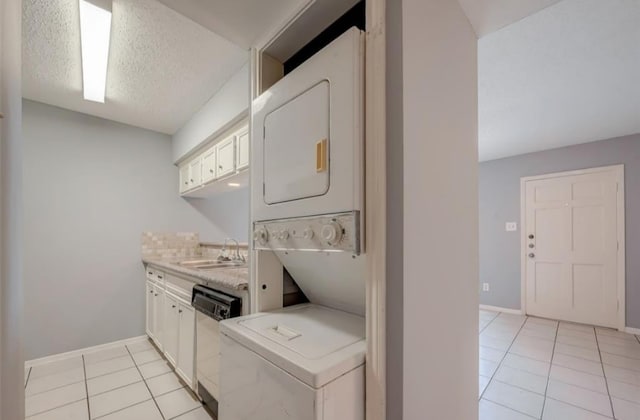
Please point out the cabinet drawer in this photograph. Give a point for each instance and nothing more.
(150, 273)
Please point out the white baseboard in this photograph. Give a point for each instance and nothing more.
(75, 353)
(500, 309)
(630, 330)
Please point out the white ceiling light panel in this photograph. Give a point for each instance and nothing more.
(95, 34)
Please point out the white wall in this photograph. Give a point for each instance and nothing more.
(214, 117)
(440, 355)
(91, 187)
(11, 250)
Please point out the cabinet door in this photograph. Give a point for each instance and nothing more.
(186, 341)
(171, 321)
(158, 315)
(209, 165)
(297, 148)
(195, 173)
(150, 312)
(242, 155)
(184, 178)
(226, 157)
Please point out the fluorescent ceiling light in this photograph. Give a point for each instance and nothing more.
(233, 184)
(95, 31)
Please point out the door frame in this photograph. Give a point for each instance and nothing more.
(620, 230)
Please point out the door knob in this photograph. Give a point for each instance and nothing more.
(531, 236)
(531, 245)
(532, 255)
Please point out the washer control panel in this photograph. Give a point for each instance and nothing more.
(329, 233)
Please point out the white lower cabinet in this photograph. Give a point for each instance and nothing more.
(150, 310)
(186, 340)
(155, 312)
(171, 322)
(158, 315)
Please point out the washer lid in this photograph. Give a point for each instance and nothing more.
(314, 343)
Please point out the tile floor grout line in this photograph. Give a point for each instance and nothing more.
(606, 381)
(509, 408)
(116, 388)
(111, 372)
(546, 388)
(488, 323)
(55, 408)
(186, 412)
(581, 408)
(55, 388)
(86, 387)
(503, 357)
(121, 409)
(146, 384)
(26, 382)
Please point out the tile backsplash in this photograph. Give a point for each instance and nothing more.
(162, 245)
(170, 245)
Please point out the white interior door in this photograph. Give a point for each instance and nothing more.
(571, 246)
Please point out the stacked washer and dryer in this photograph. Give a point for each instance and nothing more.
(306, 362)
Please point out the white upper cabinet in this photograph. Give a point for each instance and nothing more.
(225, 159)
(226, 156)
(242, 150)
(195, 173)
(184, 178)
(209, 165)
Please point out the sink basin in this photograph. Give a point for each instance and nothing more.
(209, 264)
(193, 263)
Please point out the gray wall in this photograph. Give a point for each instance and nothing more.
(11, 249)
(500, 203)
(395, 210)
(91, 187)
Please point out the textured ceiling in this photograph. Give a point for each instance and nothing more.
(243, 22)
(162, 66)
(487, 16)
(566, 75)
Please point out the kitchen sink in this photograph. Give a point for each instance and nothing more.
(209, 264)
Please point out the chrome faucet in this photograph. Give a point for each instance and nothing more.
(223, 252)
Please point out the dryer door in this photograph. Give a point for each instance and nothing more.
(296, 147)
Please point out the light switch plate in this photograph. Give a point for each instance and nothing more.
(485, 287)
(511, 226)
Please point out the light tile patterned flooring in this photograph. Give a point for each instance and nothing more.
(532, 368)
(130, 382)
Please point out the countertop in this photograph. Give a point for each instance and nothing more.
(234, 278)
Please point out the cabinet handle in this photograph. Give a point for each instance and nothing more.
(160, 277)
(192, 180)
(219, 166)
(179, 311)
(150, 273)
(211, 170)
(151, 291)
(173, 306)
(155, 294)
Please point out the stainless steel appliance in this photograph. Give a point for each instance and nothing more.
(212, 306)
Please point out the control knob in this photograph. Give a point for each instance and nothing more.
(331, 233)
(308, 233)
(284, 235)
(261, 236)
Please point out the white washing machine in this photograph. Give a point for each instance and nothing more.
(305, 362)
